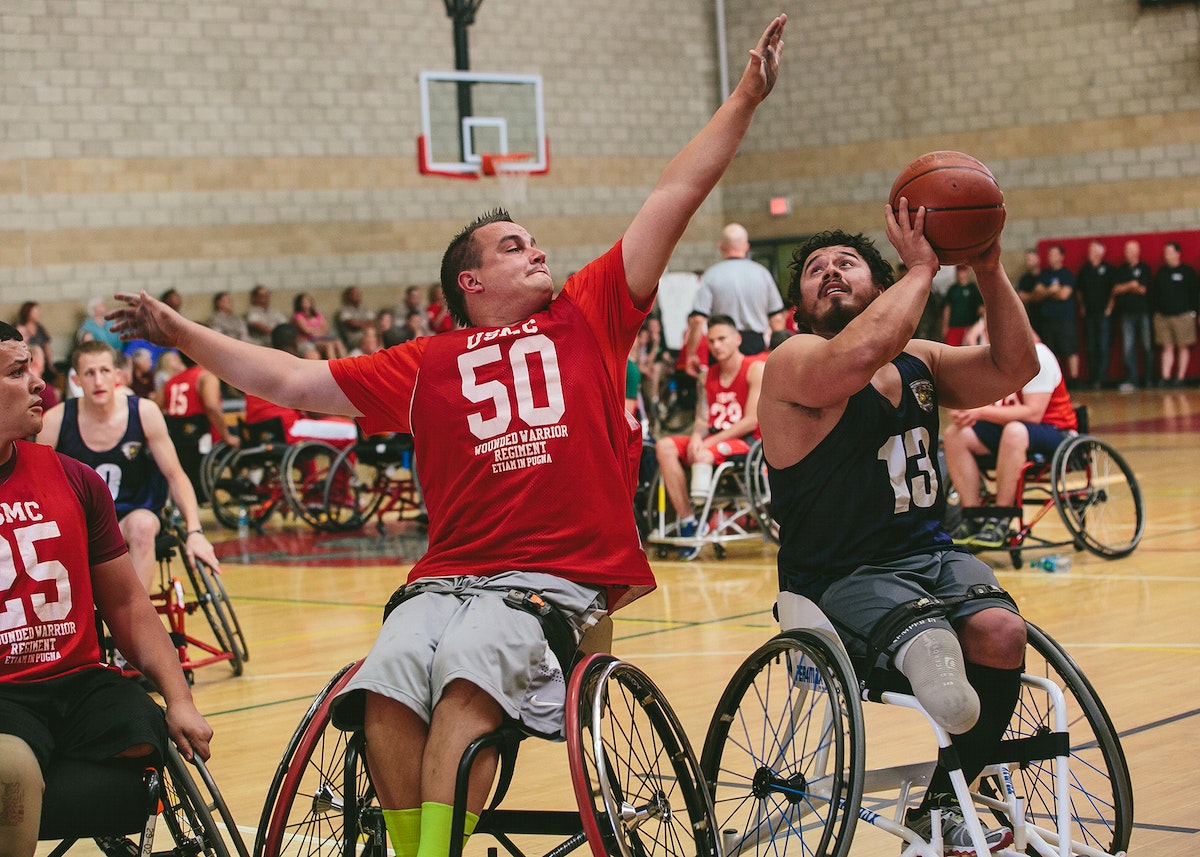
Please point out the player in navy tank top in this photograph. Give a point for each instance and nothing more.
(848, 413)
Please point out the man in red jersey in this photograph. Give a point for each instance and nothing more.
(193, 411)
(729, 417)
(518, 405)
(61, 556)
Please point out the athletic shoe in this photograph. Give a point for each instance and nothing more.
(956, 837)
(689, 530)
(965, 531)
(993, 534)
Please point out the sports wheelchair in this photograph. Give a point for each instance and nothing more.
(266, 473)
(636, 781)
(208, 595)
(736, 508)
(107, 802)
(1087, 481)
(784, 756)
(369, 479)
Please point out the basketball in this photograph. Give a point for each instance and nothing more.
(964, 207)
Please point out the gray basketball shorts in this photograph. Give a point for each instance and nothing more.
(462, 628)
(856, 603)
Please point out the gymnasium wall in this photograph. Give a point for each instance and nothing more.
(208, 146)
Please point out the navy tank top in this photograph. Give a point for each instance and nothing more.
(128, 469)
(869, 492)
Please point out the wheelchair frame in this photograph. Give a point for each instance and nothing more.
(209, 596)
(1085, 481)
(190, 811)
(728, 514)
(787, 769)
(322, 789)
(370, 479)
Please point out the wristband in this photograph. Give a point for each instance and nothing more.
(191, 533)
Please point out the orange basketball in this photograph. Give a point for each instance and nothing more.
(964, 207)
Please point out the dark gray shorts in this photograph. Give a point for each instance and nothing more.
(856, 603)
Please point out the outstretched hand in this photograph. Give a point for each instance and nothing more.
(763, 69)
(142, 317)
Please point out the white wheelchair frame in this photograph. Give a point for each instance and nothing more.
(837, 779)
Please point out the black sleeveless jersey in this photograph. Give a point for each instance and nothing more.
(128, 469)
(870, 491)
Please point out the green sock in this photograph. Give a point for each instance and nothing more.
(435, 828)
(404, 830)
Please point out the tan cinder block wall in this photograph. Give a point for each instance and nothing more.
(209, 146)
(1088, 113)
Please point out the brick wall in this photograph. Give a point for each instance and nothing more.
(208, 146)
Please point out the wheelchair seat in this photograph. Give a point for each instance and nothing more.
(69, 806)
(111, 800)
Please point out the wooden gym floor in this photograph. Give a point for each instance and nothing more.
(1130, 623)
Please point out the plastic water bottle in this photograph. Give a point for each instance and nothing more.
(1053, 563)
(243, 523)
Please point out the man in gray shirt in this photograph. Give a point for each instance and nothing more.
(741, 289)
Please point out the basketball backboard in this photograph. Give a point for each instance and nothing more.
(466, 114)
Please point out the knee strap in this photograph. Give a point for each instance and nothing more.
(932, 661)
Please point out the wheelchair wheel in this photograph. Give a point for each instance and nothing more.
(211, 464)
(1101, 795)
(321, 801)
(636, 779)
(354, 488)
(188, 814)
(1098, 497)
(250, 480)
(785, 751)
(305, 468)
(218, 610)
(759, 488)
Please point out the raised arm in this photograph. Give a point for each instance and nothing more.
(695, 171)
(265, 372)
(971, 376)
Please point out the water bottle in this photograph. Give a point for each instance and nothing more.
(243, 523)
(1053, 563)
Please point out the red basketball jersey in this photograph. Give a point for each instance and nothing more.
(727, 403)
(526, 455)
(47, 620)
(181, 396)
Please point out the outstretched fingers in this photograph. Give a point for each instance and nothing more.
(768, 52)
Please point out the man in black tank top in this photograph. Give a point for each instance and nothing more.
(848, 412)
(124, 438)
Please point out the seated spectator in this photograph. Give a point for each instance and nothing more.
(173, 299)
(385, 326)
(224, 321)
(313, 328)
(109, 717)
(95, 327)
(141, 372)
(29, 322)
(353, 318)
(261, 319)
(169, 364)
(416, 325)
(368, 343)
(437, 312)
(1031, 422)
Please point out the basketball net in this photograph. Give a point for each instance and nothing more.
(509, 171)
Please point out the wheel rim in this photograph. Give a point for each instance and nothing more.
(1098, 497)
